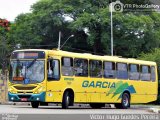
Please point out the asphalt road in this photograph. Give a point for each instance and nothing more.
(83, 109)
(25, 112)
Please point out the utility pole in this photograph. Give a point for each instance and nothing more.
(59, 41)
(111, 28)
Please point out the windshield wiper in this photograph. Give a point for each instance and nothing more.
(31, 63)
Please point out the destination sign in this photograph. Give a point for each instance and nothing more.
(28, 55)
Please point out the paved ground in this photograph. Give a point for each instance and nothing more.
(84, 109)
(83, 112)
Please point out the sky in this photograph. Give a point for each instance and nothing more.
(9, 9)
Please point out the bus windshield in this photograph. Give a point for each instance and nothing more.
(27, 71)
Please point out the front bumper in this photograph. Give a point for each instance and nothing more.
(26, 97)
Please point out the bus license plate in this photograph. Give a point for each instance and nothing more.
(23, 99)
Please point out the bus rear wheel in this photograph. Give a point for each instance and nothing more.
(35, 104)
(97, 105)
(125, 102)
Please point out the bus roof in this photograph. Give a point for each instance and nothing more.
(91, 56)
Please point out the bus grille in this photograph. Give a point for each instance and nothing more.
(25, 88)
(24, 96)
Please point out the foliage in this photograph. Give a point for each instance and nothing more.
(89, 21)
(154, 55)
(22, 32)
(4, 51)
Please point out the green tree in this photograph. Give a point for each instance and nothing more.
(4, 51)
(22, 31)
(154, 55)
(134, 32)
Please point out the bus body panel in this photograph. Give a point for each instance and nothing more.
(88, 89)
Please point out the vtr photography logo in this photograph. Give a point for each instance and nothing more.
(116, 6)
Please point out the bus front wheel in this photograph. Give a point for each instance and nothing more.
(66, 100)
(35, 104)
(125, 102)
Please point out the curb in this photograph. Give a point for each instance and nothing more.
(155, 110)
(15, 103)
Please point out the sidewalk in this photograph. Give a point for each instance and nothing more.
(155, 110)
(152, 108)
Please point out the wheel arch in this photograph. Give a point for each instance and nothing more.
(128, 92)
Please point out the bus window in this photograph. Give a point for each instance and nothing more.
(53, 70)
(134, 72)
(109, 69)
(81, 67)
(153, 75)
(145, 73)
(95, 68)
(67, 66)
(122, 72)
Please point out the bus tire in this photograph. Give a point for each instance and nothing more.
(66, 100)
(97, 105)
(125, 102)
(35, 104)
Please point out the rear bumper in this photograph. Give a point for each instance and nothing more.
(26, 97)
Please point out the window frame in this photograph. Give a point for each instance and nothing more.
(58, 71)
(149, 72)
(134, 72)
(115, 75)
(121, 70)
(87, 66)
(154, 73)
(62, 63)
(101, 68)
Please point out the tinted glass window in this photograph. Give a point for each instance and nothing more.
(122, 72)
(95, 68)
(109, 69)
(145, 73)
(67, 66)
(153, 73)
(81, 67)
(134, 72)
(53, 70)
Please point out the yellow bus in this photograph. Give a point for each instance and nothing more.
(54, 76)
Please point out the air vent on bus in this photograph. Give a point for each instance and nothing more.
(25, 88)
(24, 96)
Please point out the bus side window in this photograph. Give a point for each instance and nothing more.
(122, 71)
(95, 68)
(67, 66)
(109, 69)
(145, 73)
(134, 72)
(53, 70)
(81, 67)
(153, 74)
